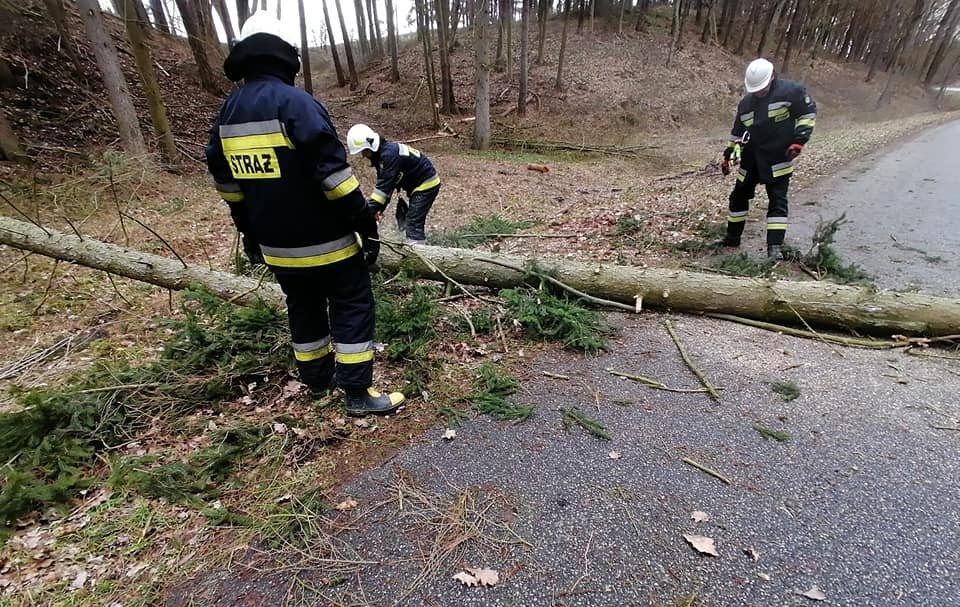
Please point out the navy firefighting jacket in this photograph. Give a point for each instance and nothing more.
(276, 159)
(401, 166)
(785, 116)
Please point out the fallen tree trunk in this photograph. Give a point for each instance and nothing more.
(154, 269)
(816, 303)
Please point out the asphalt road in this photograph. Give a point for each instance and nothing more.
(902, 207)
(861, 501)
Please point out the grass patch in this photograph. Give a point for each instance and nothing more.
(787, 390)
(770, 433)
(53, 443)
(480, 230)
(491, 390)
(575, 417)
(544, 315)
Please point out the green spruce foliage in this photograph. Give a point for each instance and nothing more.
(52, 443)
(556, 318)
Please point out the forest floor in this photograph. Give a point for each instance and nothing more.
(654, 197)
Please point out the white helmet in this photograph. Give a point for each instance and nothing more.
(758, 76)
(263, 22)
(361, 137)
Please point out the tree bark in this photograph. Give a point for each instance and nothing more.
(361, 29)
(197, 41)
(817, 303)
(448, 104)
(221, 7)
(305, 50)
(430, 74)
(243, 11)
(524, 53)
(376, 37)
(481, 29)
(392, 43)
(337, 66)
(347, 49)
(543, 12)
(9, 142)
(148, 76)
(59, 16)
(121, 102)
(159, 16)
(563, 44)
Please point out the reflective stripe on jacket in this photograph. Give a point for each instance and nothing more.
(276, 159)
(401, 166)
(786, 115)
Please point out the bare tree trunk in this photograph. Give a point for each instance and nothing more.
(159, 16)
(481, 29)
(543, 12)
(749, 27)
(10, 144)
(361, 29)
(198, 47)
(822, 304)
(448, 104)
(796, 24)
(392, 43)
(305, 50)
(430, 74)
(676, 30)
(508, 36)
(59, 16)
(148, 76)
(731, 10)
(524, 52)
(279, 5)
(243, 11)
(904, 46)
(131, 137)
(563, 45)
(351, 66)
(221, 6)
(375, 34)
(341, 78)
(942, 41)
(767, 22)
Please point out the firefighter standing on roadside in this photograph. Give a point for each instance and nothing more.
(774, 121)
(398, 166)
(277, 162)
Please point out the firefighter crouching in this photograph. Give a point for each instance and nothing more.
(398, 166)
(774, 121)
(277, 162)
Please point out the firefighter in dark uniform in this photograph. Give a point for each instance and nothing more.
(399, 166)
(277, 162)
(774, 121)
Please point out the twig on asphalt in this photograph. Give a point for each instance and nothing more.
(686, 358)
(709, 471)
(555, 375)
(652, 383)
(846, 341)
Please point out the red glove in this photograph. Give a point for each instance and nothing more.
(794, 150)
(725, 167)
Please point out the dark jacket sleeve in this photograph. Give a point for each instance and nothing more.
(803, 110)
(228, 187)
(309, 127)
(386, 177)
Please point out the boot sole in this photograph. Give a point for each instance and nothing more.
(366, 412)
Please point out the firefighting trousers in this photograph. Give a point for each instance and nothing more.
(420, 204)
(777, 211)
(331, 313)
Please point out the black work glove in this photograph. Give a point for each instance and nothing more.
(727, 153)
(375, 209)
(371, 247)
(401, 214)
(252, 250)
